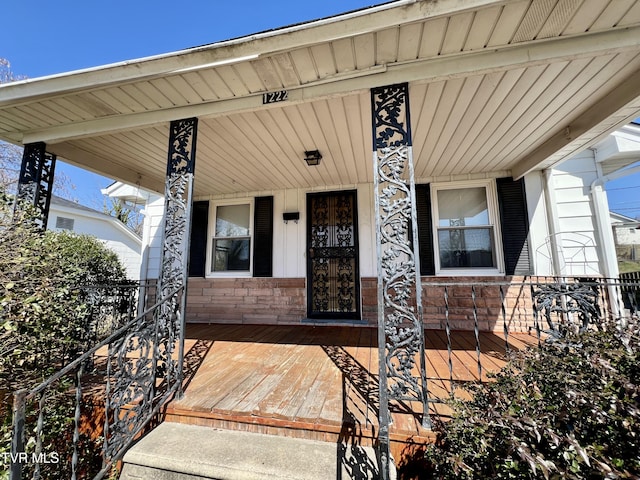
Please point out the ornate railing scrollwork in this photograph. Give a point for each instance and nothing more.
(567, 307)
(400, 327)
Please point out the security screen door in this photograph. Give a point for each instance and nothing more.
(333, 278)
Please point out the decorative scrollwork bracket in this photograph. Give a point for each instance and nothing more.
(35, 183)
(400, 327)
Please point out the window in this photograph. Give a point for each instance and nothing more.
(64, 223)
(231, 245)
(465, 227)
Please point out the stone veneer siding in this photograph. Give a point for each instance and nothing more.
(273, 301)
(267, 301)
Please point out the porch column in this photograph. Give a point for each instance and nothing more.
(36, 181)
(172, 282)
(400, 327)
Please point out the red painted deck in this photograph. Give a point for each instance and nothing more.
(313, 382)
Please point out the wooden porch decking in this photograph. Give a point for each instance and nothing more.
(314, 382)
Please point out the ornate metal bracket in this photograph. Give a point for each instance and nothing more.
(35, 183)
(567, 307)
(170, 323)
(400, 327)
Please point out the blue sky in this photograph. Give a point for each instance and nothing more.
(44, 37)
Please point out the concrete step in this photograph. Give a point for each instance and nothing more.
(175, 451)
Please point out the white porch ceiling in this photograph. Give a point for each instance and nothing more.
(504, 86)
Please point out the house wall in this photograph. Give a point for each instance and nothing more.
(489, 301)
(152, 239)
(126, 247)
(282, 299)
(290, 239)
(563, 218)
(626, 234)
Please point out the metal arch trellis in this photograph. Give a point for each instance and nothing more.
(400, 327)
(35, 183)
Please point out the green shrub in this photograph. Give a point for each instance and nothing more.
(43, 276)
(44, 324)
(563, 411)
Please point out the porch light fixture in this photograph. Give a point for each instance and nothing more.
(312, 157)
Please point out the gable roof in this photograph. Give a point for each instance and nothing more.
(74, 208)
(500, 86)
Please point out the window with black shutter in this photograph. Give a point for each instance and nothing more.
(263, 237)
(198, 249)
(459, 237)
(515, 226)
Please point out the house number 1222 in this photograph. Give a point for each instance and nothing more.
(273, 97)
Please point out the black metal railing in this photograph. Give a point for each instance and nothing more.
(107, 397)
(460, 316)
(110, 307)
(630, 291)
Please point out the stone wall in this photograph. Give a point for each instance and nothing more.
(266, 301)
(491, 301)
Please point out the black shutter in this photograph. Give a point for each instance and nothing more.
(197, 251)
(425, 230)
(263, 237)
(515, 226)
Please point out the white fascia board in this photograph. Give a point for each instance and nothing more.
(240, 49)
(622, 144)
(125, 191)
(424, 70)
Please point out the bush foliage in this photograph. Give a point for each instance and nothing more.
(42, 276)
(44, 318)
(566, 410)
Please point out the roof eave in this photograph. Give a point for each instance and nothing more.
(240, 49)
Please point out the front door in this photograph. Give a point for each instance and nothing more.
(333, 279)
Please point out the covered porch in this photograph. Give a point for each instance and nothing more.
(321, 382)
(498, 91)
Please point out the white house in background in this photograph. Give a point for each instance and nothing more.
(67, 215)
(626, 230)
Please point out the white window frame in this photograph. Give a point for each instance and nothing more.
(213, 210)
(494, 219)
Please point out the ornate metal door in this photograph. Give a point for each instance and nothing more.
(333, 278)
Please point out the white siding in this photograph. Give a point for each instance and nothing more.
(152, 238)
(538, 224)
(577, 234)
(290, 239)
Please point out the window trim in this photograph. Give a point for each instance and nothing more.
(211, 230)
(494, 219)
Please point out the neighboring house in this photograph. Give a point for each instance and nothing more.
(67, 215)
(505, 108)
(626, 230)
